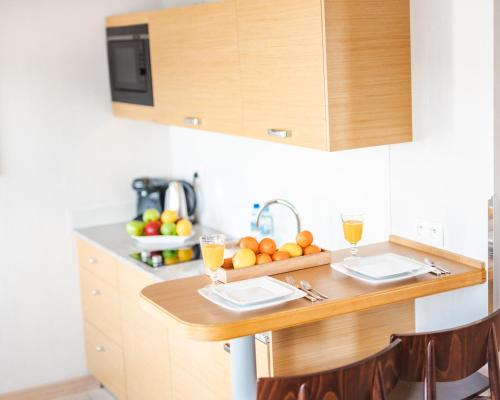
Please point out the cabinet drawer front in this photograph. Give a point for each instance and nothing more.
(101, 305)
(97, 262)
(105, 360)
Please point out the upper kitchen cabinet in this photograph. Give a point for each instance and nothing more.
(368, 70)
(196, 66)
(324, 74)
(282, 71)
(330, 75)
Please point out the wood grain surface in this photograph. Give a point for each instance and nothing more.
(368, 72)
(228, 274)
(195, 62)
(368, 379)
(200, 319)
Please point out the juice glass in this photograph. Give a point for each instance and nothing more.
(212, 250)
(353, 230)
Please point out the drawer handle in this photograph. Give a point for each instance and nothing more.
(227, 348)
(193, 121)
(95, 292)
(279, 133)
(92, 260)
(100, 349)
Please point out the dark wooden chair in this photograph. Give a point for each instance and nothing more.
(444, 364)
(370, 379)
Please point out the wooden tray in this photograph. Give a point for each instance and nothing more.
(228, 274)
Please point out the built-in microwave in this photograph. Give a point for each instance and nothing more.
(130, 64)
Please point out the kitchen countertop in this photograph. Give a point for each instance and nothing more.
(114, 240)
(200, 319)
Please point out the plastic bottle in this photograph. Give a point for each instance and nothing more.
(254, 231)
(266, 226)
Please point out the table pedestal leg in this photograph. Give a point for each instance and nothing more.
(243, 368)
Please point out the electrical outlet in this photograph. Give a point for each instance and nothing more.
(431, 233)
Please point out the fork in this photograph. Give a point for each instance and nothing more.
(291, 281)
(433, 264)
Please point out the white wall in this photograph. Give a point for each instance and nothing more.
(236, 172)
(62, 155)
(446, 175)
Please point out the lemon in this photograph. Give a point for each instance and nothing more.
(244, 258)
(184, 227)
(293, 249)
(185, 254)
(169, 216)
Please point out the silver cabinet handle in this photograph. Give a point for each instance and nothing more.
(227, 348)
(92, 260)
(280, 133)
(193, 121)
(100, 349)
(95, 292)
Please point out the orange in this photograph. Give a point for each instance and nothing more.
(267, 246)
(249, 242)
(263, 259)
(280, 255)
(312, 249)
(304, 239)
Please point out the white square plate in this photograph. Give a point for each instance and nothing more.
(212, 296)
(251, 291)
(383, 266)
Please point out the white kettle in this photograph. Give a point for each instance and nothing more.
(181, 197)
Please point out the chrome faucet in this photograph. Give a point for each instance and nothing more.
(285, 203)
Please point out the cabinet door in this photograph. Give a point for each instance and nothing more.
(145, 342)
(282, 66)
(195, 61)
(105, 360)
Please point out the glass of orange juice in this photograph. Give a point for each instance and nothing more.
(353, 230)
(212, 250)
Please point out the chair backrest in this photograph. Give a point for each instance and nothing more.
(370, 379)
(450, 355)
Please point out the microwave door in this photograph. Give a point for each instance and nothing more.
(127, 65)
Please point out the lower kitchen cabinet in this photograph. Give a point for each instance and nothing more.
(105, 360)
(146, 349)
(136, 355)
(139, 355)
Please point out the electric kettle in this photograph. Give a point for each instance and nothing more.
(180, 196)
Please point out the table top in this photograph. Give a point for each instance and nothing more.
(199, 319)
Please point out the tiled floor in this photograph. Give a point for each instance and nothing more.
(98, 394)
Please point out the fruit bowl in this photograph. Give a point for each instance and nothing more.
(162, 240)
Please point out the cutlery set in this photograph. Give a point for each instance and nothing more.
(437, 269)
(312, 294)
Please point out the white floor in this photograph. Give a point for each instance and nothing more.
(98, 394)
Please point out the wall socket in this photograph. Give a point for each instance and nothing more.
(431, 233)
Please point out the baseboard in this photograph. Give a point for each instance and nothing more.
(54, 390)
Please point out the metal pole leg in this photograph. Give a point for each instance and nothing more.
(243, 369)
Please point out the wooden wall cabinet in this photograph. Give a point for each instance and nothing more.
(331, 75)
(324, 74)
(195, 61)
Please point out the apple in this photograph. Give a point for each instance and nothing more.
(135, 228)
(168, 229)
(152, 228)
(169, 254)
(151, 214)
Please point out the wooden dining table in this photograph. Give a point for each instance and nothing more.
(199, 319)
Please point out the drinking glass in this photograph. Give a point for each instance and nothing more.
(212, 250)
(353, 230)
